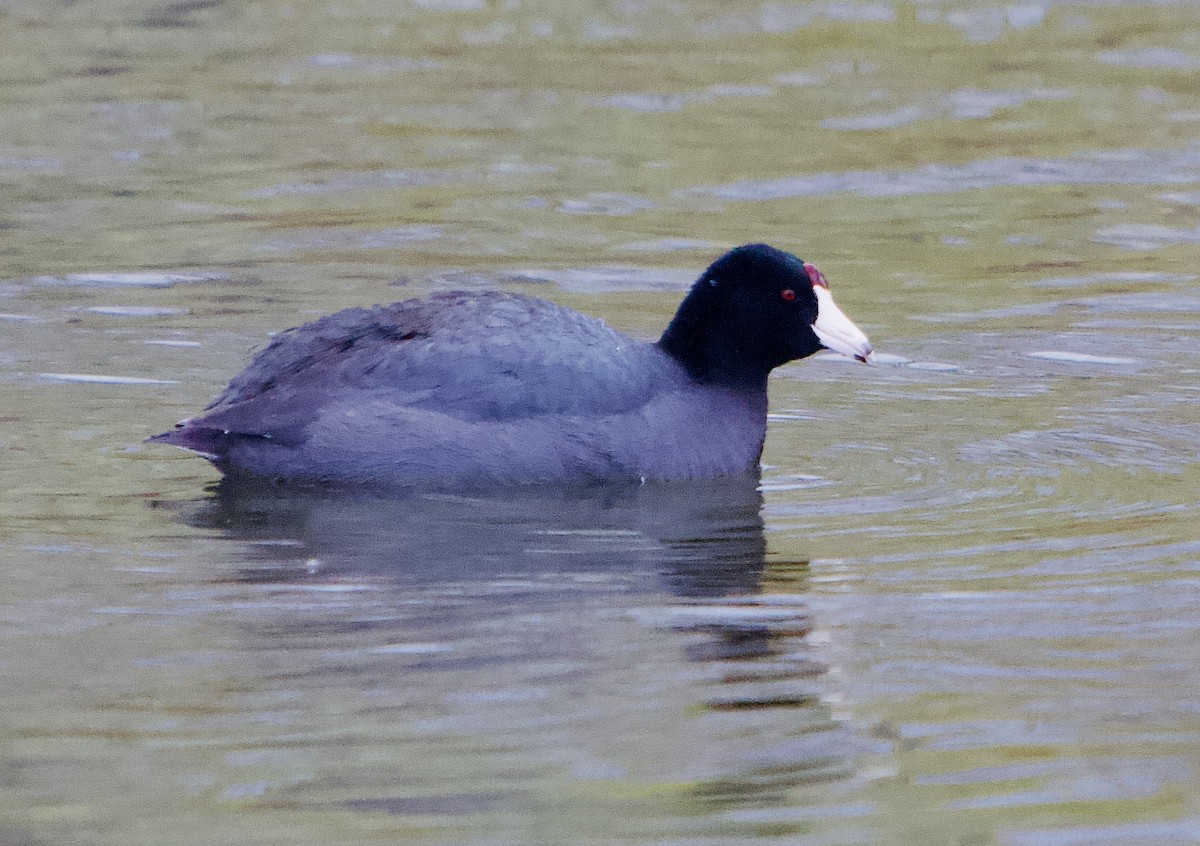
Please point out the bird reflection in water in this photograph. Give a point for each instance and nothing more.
(519, 589)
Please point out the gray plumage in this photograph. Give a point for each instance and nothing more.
(468, 387)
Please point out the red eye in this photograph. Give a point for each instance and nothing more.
(788, 294)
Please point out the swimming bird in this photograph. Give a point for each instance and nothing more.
(477, 388)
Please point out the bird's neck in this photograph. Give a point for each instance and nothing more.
(711, 353)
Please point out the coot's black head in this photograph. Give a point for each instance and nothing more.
(754, 309)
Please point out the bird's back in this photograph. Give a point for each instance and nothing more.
(478, 356)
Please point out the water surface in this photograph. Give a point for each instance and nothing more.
(959, 608)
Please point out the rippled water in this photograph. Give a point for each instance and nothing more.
(959, 609)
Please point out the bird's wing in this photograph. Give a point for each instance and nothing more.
(474, 357)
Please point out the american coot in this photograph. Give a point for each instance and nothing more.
(472, 388)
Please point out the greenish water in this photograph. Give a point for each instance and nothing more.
(962, 608)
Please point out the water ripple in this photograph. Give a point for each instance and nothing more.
(1151, 58)
(350, 62)
(1122, 278)
(1146, 236)
(606, 278)
(963, 104)
(1123, 167)
(365, 181)
(1081, 358)
(1116, 442)
(351, 239)
(606, 203)
(102, 379)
